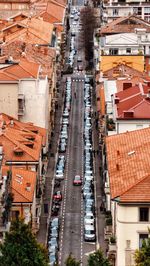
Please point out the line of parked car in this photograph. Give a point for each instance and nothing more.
(53, 240)
(88, 186)
(53, 235)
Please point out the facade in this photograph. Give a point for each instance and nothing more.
(113, 9)
(128, 167)
(25, 96)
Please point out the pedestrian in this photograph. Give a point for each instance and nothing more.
(97, 152)
(75, 95)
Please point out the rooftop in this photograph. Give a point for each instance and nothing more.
(125, 25)
(128, 157)
(133, 102)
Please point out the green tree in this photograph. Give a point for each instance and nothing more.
(20, 247)
(71, 261)
(142, 256)
(97, 259)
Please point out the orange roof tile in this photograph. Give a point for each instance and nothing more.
(23, 136)
(120, 25)
(139, 192)
(133, 99)
(128, 157)
(56, 9)
(21, 178)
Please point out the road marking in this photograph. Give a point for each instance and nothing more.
(88, 253)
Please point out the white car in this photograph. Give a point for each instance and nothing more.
(89, 233)
(59, 174)
(89, 218)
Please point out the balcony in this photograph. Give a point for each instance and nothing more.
(21, 96)
(107, 188)
(21, 111)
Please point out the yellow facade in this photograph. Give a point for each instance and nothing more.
(109, 61)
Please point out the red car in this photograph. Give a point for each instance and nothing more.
(77, 180)
(57, 195)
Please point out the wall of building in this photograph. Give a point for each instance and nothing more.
(127, 125)
(36, 101)
(108, 62)
(128, 228)
(9, 99)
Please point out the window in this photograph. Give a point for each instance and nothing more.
(115, 12)
(144, 214)
(128, 50)
(141, 238)
(113, 51)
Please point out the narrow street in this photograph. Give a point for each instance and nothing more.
(72, 210)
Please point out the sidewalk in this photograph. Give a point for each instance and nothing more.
(99, 183)
(41, 235)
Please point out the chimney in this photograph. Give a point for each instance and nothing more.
(118, 152)
(117, 166)
(28, 186)
(128, 114)
(11, 122)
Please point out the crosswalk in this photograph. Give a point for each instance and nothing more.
(77, 80)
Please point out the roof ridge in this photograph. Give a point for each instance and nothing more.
(142, 100)
(32, 32)
(135, 184)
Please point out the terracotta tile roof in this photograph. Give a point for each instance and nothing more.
(121, 25)
(44, 56)
(26, 129)
(34, 30)
(133, 80)
(128, 157)
(5, 77)
(139, 192)
(25, 69)
(21, 179)
(133, 99)
(122, 71)
(56, 9)
(15, 135)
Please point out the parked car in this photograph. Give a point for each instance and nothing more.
(57, 195)
(89, 233)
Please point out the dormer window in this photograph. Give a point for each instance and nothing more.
(18, 151)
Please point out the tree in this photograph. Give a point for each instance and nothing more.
(71, 261)
(98, 259)
(21, 248)
(142, 256)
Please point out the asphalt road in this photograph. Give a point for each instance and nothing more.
(71, 234)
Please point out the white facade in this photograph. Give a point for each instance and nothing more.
(36, 101)
(114, 10)
(126, 43)
(128, 229)
(130, 125)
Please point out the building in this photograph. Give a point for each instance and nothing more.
(112, 9)
(131, 108)
(22, 171)
(127, 184)
(23, 91)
